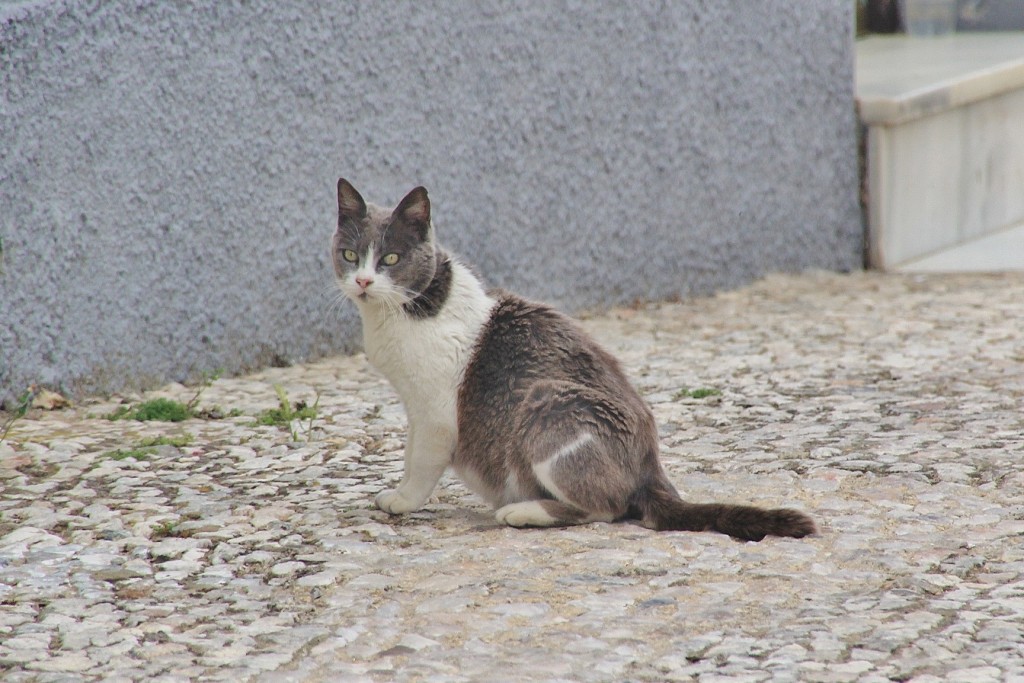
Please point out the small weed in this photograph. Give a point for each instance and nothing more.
(273, 417)
(147, 447)
(285, 413)
(163, 530)
(313, 411)
(204, 383)
(119, 413)
(704, 393)
(24, 403)
(137, 453)
(695, 393)
(217, 413)
(176, 441)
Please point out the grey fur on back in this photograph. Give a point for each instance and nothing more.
(536, 383)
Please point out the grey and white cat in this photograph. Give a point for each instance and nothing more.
(529, 411)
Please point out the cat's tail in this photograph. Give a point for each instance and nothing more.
(664, 510)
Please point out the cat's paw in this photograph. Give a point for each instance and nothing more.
(529, 513)
(393, 502)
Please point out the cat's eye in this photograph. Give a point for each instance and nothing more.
(350, 256)
(389, 259)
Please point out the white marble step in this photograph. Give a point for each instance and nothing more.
(1002, 251)
(945, 150)
(901, 78)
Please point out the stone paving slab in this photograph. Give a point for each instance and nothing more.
(889, 407)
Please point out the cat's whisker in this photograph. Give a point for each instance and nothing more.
(394, 307)
(337, 303)
(334, 298)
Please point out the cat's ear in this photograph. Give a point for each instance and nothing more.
(415, 209)
(350, 203)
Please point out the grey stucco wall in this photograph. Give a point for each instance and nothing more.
(167, 170)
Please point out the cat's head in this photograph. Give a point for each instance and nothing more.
(383, 257)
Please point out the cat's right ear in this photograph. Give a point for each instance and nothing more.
(415, 207)
(350, 203)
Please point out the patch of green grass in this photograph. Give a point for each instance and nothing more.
(704, 393)
(125, 453)
(160, 409)
(165, 409)
(20, 409)
(147, 447)
(695, 393)
(179, 441)
(163, 530)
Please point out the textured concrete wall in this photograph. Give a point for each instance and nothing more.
(167, 170)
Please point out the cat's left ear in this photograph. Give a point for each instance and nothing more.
(415, 210)
(350, 202)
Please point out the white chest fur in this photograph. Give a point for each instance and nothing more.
(425, 358)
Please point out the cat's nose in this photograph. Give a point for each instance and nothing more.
(364, 282)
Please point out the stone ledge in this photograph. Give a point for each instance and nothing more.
(1000, 251)
(900, 78)
(945, 151)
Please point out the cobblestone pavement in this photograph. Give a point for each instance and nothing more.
(891, 408)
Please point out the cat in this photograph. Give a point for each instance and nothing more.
(530, 412)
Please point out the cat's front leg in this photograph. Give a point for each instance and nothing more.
(428, 453)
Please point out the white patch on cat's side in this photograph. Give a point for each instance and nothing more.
(542, 470)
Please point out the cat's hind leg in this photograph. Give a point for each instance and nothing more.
(542, 513)
(576, 461)
(571, 478)
(579, 483)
